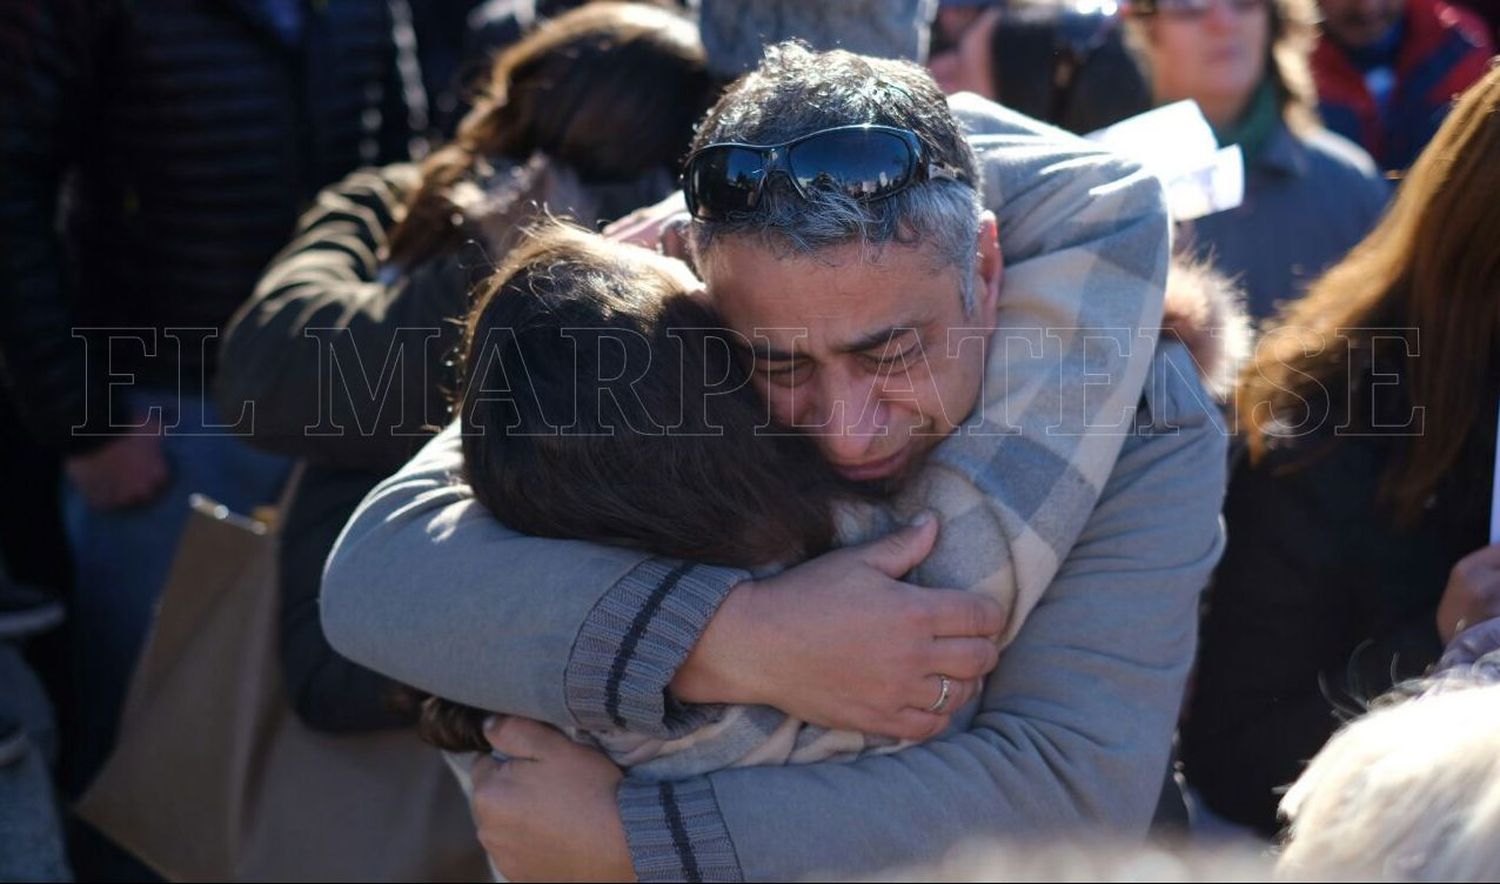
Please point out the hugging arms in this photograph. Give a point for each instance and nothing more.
(1073, 728)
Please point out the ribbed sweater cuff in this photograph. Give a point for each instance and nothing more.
(634, 641)
(676, 832)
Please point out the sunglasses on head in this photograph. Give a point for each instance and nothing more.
(866, 162)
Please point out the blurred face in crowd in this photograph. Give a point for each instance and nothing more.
(950, 25)
(967, 66)
(865, 352)
(1212, 51)
(1360, 23)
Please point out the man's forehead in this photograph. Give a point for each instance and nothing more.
(835, 338)
(830, 284)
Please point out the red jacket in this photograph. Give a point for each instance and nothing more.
(1444, 50)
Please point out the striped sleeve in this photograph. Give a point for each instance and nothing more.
(634, 641)
(676, 832)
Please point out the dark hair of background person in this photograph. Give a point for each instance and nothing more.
(612, 90)
(1293, 31)
(1431, 266)
(605, 340)
(1067, 67)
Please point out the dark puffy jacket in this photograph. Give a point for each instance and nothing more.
(1444, 50)
(153, 156)
(1321, 601)
(328, 342)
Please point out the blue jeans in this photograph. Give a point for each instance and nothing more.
(122, 557)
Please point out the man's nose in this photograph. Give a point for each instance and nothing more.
(856, 416)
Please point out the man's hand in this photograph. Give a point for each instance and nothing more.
(127, 471)
(1473, 592)
(841, 642)
(549, 813)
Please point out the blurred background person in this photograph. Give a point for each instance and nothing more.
(155, 155)
(1388, 70)
(952, 21)
(736, 32)
(1488, 12)
(442, 35)
(1063, 64)
(1410, 791)
(1406, 793)
(1370, 415)
(588, 116)
(1309, 194)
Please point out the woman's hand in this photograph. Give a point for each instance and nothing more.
(841, 642)
(658, 227)
(549, 813)
(1473, 592)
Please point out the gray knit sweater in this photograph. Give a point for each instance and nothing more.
(1074, 727)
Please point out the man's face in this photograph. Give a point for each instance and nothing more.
(1360, 23)
(866, 353)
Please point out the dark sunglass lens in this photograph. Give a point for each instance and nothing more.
(724, 179)
(863, 163)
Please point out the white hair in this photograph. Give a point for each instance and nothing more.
(1408, 792)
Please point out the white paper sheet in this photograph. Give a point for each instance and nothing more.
(1175, 143)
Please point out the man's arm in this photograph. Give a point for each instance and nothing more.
(427, 587)
(1074, 728)
(574, 634)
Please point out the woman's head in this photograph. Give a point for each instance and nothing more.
(1428, 274)
(1409, 792)
(609, 90)
(1218, 52)
(601, 401)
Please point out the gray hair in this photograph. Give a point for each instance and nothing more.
(1409, 792)
(796, 91)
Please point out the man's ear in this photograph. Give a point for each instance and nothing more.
(991, 264)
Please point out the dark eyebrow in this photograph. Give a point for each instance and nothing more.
(762, 351)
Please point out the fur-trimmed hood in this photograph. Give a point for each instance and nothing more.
(1205, 310)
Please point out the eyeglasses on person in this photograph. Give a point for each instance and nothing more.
(866, 162)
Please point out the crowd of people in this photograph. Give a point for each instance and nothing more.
(762, 439)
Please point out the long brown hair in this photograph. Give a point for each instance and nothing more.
(1433, 265)
(579, 355)
(612, 90)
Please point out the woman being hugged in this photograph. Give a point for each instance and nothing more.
(1359, 520)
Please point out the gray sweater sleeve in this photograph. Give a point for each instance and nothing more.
(425, 586)
(1073, 730)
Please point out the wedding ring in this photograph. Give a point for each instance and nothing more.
(945, 686)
